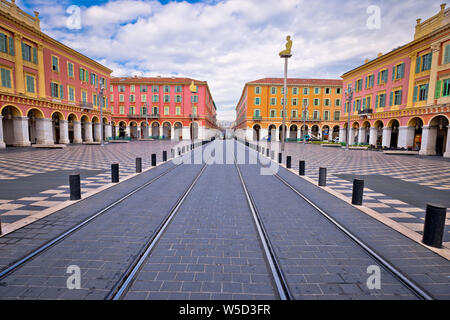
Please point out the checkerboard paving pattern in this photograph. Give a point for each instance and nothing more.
(26, 162)
(421, 170)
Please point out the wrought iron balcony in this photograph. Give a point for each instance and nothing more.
(143, 116)
(193, 116)
(257, 118)
(301, 119)
(365, 112)
(86, 105)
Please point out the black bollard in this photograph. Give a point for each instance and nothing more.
(114, 172)
(322, 177)
(267, 151)
(75, 187)
(280, 157)
(179, 151)
(358, 191)
(138, 165)
(164, 156)
(153, 159)
(301, 167)
(433, 231)
(288, 162)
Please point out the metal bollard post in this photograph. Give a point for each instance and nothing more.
(138, 165)
(433, 231)
(301, 168)
(114, 172)
(322, 177)
(358, 191)
(75, 187)
(179, 151)
(280, 157)
(288, 162)
(153, 159)
(267, 151)
(164, 156)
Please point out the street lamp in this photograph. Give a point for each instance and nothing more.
(305, 113)
(349, 94)
(100, 94)
(193, 89)
(285, 54)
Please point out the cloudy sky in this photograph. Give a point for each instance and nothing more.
(231, 42)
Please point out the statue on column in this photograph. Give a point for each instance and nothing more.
(287, 52)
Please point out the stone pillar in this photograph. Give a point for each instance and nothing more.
(373, 136)
(117, 131)
(108, 131)
(160, 131)
(77, 132)
(88, 132)
(277, 135)
(186, 133)
(64, 132)
(342, 135)
(362, 135)
(351, 137)
(406, 137)
(263, 134)
(447, 146)
(2, 142)
(44, 131)
(127, 131)
(20, 128)
(386, 141)
(97, 132)
(428, 146)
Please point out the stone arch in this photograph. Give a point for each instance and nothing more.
(438, 134)
(178, 129)
(15, 128)
(272, 129)
(155, 129)
(35, 134)
(293, 131)
(57, 126)
(256, 132)
(167, 130)
(325, 132)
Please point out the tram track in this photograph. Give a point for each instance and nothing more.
(86, 221)
(413, 287)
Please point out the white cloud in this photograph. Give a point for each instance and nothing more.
(231, 42)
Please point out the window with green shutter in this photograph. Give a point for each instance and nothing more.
(30, 84)
(71, 94)
(415, 94)
(437, 92)
(447, 54)
(3, 43)
(423, 92)
(6, 78)
(11, 46)
(426, 62)
(418, 59)
(446, 88)
(70, 69)
(55, 64)
(61, 91)
(26, 52)
(35, 56)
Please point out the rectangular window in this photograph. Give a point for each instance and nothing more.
(122, 110)
(257, 101)
(327, 102)
(3, 43)
(132, 88)
(155, 110)
(423, 92)
(294, 113)
(194, 99)
(178, 111)
(446, 88)
(326, 115)
(143, 97)
(295, 102)
(382, 98)
(327, 90)
(194, 110)
(94, 99)
(178, 98)
(294, 91)
(70, 69)
(166, 98)
(338, 90)
(316, 90)
(71, 94)
(166, 110)
(337, 102)
(316, 115)
(178, 89)
(273, 113)
(155, 98)
(316, 102)
(112, 98)
(131, 110)
(257, 90)
(273, 90)
(384, 76)
(273, 101)
(54, 90)
(337, 115)
(426, 62)
(305, 91)
(55, 64)
(155, 88)
(121, 88)
(84, 96)
(166, 89)
(447, 54)
(305, 102)
(121, 98)
(143, 88)
(30, 84)
(132, 98)
(27, 52)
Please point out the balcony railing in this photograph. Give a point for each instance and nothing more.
(300, 119)
(143, 116)
(257, 118)
(365, 112)
(86, 105)
(193, 116)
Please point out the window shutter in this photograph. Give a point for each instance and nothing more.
(385, 76)
(401, 97)
(3, 42)
(418, 64)
(437, 93)
(23, 51)
(81, 74)
(426, 91)
(364, 103)
(61, 91)
(11, 46)
(390, 98)
(378, 79)
(35, 55)
(402, 70)
(365, 85)
(393, 73)
(415, 94)
(447, 54)
(376, 101)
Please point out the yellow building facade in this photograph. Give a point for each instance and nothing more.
(313, 108)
